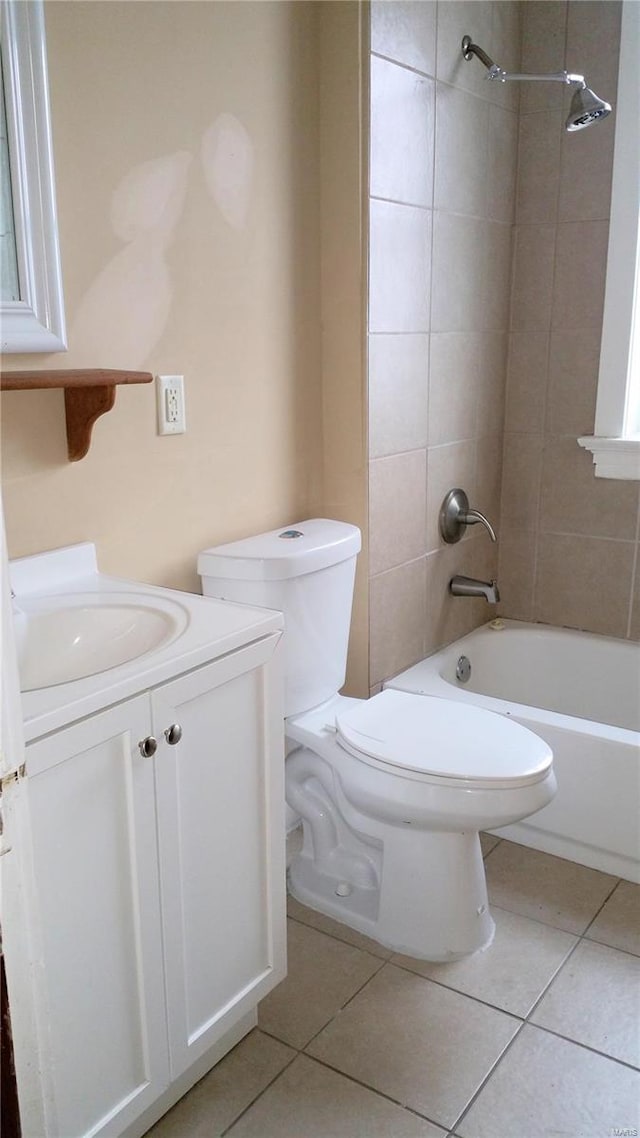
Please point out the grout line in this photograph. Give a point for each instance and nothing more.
(522, 1021)
(347, 1002)
(457, 991)
(488, 854)
(340, 939)
(598, 912)
(589, 536)
(264, 1089)
(484, 1082)
(585, 1047)
(374, 1090)
(635, 577)
(435, 79)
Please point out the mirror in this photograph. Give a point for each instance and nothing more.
(31, 305)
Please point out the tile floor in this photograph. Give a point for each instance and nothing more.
(537, 1036)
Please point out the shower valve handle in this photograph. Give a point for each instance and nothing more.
(455, 516)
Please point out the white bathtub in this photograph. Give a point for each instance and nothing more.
(581, 693)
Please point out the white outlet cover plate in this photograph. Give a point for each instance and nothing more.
(170, 404)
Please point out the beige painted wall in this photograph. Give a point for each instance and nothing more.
(205, 263)
(569, 543)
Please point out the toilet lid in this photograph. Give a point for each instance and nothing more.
(443, 737)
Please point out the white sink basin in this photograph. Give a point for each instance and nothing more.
(66, 638)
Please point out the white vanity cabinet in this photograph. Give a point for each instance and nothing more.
(159, 885)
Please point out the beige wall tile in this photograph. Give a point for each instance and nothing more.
(506, 38)
(462, 136)
(398, 612)
(397, 505)
(593, 39)
(532, 278)
(343, 427)
(585, 172)
(460, 267)
(399, 268)
(502, 164)
(488, 478)
(581, 261)
(573, 500)
(516, 571)
(449, 618)
(634, 620)
(478, 19)
(453, 371)
(543, 50)
(398, 393)
(521, 472)
(540, 138)
(574, 357)
(490, 381)
(402, 127)
(499, 256)
(447, 467)
(405, 31)
(527, 381)
(469, 17)
(584, 582)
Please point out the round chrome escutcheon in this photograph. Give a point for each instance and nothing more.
(463, 669)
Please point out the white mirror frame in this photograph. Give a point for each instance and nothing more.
(35, 323)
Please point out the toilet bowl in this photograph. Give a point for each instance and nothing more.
(392, 791)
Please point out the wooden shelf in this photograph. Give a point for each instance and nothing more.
(87, 395)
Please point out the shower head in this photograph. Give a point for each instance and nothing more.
(585, 108)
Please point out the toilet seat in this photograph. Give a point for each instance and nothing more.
(440, 739)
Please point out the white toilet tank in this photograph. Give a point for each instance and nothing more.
(306, 571)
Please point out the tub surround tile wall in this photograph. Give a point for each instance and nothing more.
(569, 541)
(439, 283)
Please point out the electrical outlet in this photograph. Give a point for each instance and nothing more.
(170, 404)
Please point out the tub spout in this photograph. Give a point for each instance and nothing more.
(469, 587)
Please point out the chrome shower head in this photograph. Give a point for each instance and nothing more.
(586, 108)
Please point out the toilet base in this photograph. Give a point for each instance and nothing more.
(431, 902)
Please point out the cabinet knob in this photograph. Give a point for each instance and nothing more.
(173, 734)
(148, 747)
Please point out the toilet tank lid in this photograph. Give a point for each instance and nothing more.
(290, 551)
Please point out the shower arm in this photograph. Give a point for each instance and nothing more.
(470, 49)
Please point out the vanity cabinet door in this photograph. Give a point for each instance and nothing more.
(220, 793)
(91, 800)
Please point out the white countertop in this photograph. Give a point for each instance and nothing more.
(208, 629)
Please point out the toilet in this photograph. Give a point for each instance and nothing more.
(392, 791)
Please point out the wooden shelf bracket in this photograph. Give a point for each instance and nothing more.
(87, 396)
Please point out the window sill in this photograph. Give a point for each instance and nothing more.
(614, 458)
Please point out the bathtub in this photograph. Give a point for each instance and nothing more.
(581, 693)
